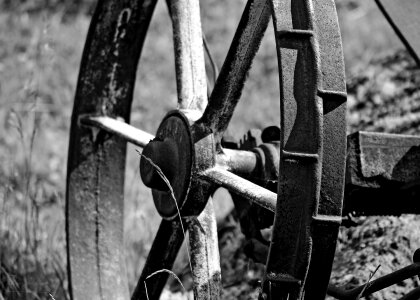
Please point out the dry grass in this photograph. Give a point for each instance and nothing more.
(35, 99)
(39, 60)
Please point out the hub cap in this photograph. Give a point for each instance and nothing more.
(171, 151)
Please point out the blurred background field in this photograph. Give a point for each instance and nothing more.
(41, 43)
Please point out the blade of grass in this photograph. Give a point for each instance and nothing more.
(162, 175)
(367, 283)
(170, 273)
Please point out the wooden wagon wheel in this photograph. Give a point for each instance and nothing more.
(187, 148)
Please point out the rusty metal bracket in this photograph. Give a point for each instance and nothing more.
(205, 261)
(383, 174)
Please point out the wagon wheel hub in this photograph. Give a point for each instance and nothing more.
(170, 153)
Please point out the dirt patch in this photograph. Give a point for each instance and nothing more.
(383, 96)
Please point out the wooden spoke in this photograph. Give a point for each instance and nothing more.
(229, 84)
(205, 260)
(189, 54)
(161, 257)
(131, 134)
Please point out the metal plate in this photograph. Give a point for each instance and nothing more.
(383, 174)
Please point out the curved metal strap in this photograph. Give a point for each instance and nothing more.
(332, 90)
(300, 150)
(312, 154)
(96, 165)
